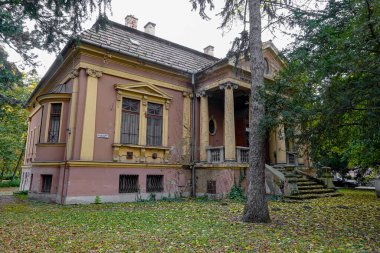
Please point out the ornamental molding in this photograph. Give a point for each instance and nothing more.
(228, 85)
(186, 94)
(202, 93)
(74, 74)
(94, 73)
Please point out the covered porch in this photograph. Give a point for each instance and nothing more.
(224, 128)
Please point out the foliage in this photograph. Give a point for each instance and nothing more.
(328, 98)
(22, 195)
(10, 183)
(35, 24)
(98, 200)
(236, 193)
(342, 224)
(13, 128)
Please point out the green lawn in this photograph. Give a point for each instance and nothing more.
(343, 224)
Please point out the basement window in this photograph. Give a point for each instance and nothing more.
(154, 183)
(211, 187)
(128, 183)
(46, 183)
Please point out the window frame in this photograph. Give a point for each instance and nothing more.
(48, 122)
(43, 182)
(145, 93)
(154, 116)
(50, 116)
(160, 188)
(138, 121)
(135, 189)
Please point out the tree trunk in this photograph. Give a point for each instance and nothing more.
(18, 163)
(256, 208)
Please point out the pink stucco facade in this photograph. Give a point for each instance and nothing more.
(87, 159)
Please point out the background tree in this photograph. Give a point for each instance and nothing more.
(332, 84)
(34, 24)
(13, 126)
(26, 25)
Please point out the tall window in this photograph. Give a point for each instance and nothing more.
(154, 125)
(55, 118)
(130, 119)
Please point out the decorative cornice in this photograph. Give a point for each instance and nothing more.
(187, 94)
(202, 93)
(228, 85)
(94, 73)
(73, 74)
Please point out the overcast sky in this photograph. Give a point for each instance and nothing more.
(175, 22)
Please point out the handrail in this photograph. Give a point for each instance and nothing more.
(275, 172)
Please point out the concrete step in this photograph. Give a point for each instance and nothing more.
(310, 187)
(314, 196)
(316, 191)
(304, 183)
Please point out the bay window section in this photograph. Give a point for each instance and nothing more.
(130, 118)
(154, 125)
(54, 124)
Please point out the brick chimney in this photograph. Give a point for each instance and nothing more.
(209, 50)
(150, 28)
(131, 21)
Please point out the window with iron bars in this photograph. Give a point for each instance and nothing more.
(154, 183)
(128, 183)
(211, 186)
(46, 183)
(55, 118)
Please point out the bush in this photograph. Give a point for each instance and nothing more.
(236, 193)
(14, 183)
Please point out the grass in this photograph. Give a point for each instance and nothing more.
(350, 223)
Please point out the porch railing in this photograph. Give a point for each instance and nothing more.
(242, 154)
(215, 154)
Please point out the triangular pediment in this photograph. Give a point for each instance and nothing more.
(143, 88)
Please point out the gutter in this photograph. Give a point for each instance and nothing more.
(192, 157)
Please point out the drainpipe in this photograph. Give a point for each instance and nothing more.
(192, 158)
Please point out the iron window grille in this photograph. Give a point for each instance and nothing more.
(211, 187)
(55, 118)
(154, 183)
(46, 183)
(154, 124)
(130, 121)
(128, 183)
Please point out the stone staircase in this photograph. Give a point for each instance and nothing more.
(305, 187)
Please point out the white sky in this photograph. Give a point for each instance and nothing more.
(175, 22)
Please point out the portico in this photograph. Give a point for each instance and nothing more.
(218, 133)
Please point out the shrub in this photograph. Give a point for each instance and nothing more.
(236, 193)
(14, 183)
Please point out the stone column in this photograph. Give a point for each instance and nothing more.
(73, 109)
(204, 119)
(281, 145)
(186, 127)
(88, 133)
(229, 121)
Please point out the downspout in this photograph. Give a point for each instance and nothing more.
(192, 157)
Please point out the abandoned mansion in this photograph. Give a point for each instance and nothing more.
(125, 115)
